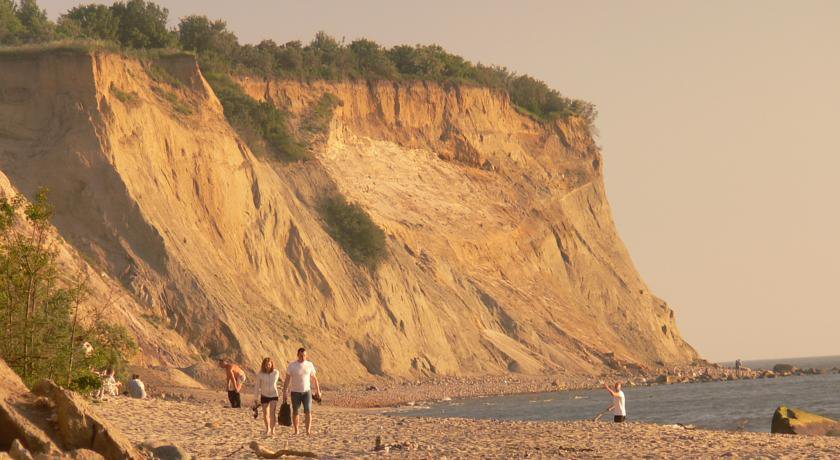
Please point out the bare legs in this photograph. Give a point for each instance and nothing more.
(269, 411)
(265, 418)
(307, 421)
(273, 415)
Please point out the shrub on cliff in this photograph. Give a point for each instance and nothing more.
(262, 125)
(42, 322)
(317, 120)
(353, 229)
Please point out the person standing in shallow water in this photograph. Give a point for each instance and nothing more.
(300, 378)
(618, 409)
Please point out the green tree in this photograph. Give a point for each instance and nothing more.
(142, 24)
(371, 60)
(10, 26)
(199, 34)
(36, 26)
(41, 321)
(94, 21)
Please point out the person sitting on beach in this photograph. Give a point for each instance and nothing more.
(266, 389)
(299, 374)
(136, 387)
(234, 379)
(617, 408)
(110, 386)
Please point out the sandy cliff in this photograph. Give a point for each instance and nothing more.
(502, 251)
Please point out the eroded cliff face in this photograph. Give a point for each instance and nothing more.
(502, 252)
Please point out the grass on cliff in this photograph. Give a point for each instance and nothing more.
(70, 46)
(262, 125)
(317, 120)
(353, 229)
(128, 98)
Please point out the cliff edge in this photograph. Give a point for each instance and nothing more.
(502, 253)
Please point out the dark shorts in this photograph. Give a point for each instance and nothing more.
(302, 398)
(618, 418)
(267, 399)
(234, 398)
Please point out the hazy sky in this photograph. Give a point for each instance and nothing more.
(718, 121)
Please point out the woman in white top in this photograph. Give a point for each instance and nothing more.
(266, 389)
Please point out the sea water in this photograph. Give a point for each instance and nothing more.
(746, 405)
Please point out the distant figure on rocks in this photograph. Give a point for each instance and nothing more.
(266, 390)
(737, 364)
(136, 387)
(298, 376)
(234, 379)
(618, 410)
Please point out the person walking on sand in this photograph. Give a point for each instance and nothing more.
(234, 379)
(266, 390)
(617, 408)
(299, 375)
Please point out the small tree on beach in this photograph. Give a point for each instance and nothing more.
(42, 322)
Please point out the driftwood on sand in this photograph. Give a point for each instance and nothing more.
(265, 453)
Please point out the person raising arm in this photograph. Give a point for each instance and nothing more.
(617, 408)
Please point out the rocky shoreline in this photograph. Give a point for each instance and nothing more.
(445, 388)
(386, 394)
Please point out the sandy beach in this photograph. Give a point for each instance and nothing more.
(207, 429)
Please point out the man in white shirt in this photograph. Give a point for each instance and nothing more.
(618, 410)
(136, 388)
(299, 375)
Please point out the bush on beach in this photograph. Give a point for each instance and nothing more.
(42, 318)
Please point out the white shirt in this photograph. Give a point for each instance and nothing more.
(299, 373)
(618, 404)
(136, 389)
(266, 384)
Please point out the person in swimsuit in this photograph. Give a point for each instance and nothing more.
(266, 390)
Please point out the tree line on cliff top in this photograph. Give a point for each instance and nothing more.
(140, 24)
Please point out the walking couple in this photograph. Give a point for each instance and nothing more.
(299, 378)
